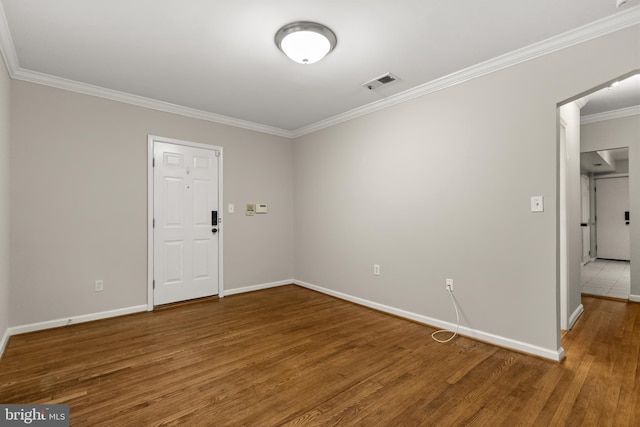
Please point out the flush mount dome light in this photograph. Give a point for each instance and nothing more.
(305, 42)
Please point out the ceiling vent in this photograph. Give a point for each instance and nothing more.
(382, 80)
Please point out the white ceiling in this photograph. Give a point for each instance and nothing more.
(219, 57)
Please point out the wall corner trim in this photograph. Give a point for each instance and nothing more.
(555, 355)
(634, 298)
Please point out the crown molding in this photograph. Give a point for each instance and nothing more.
(593, 30)
(579, 35)
(608, 115)
(7, 49)
(141, 101)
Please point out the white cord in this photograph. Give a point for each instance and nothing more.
(455, 306)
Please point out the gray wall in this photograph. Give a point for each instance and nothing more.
(5, 92)
(617, 133)
(380, 189)
(79, 202)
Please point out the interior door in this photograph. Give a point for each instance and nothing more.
(612, 202)
(185, 206)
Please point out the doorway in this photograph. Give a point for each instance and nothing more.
(185, 224)
(600, 112)
(608, 272)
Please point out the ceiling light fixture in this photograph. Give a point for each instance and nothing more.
(305, 42)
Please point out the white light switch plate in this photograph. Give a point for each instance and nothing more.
(537, 204)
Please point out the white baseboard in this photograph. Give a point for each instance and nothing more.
(574, 316)
(4, 341)
(634, 298)
(480, 335)
(555, 355)
(258, 287)
(15, 330)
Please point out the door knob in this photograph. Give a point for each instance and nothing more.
(214, 230)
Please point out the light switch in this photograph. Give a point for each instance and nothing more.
(537, 204)
(232, 208)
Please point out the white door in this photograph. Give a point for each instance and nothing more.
(612, 201)
(584, 221)
(185, 231)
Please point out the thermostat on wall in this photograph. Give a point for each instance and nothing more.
(261, 208)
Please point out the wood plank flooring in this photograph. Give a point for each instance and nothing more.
(289, 356)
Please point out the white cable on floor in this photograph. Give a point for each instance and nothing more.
(455, 306)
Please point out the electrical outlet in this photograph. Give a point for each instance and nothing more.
(537, 204)
(376, 270)
(99, 285)
(449, 285)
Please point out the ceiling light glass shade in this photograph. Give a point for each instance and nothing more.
(305, 47)
(305, 42)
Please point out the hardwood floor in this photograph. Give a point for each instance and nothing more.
(291, 356)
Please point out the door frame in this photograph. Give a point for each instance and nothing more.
(151, 140)
(563, 238)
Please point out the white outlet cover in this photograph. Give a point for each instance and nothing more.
(376, 269)
(232, 208)
(537, 204)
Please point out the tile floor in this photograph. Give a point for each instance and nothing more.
(606, 278)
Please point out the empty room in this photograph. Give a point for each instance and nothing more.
(318, 213)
